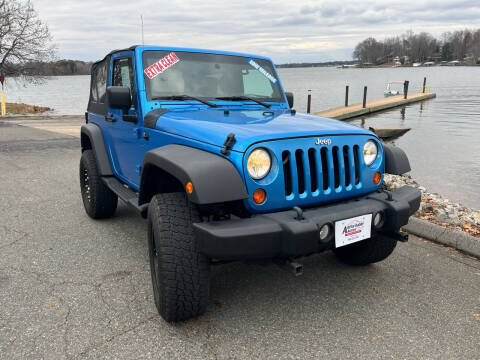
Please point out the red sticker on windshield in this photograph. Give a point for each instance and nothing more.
(161, 65)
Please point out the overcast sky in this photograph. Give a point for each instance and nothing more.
(285, 30)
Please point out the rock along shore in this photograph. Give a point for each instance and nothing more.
(434, 208)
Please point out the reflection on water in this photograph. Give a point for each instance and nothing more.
(443, 145)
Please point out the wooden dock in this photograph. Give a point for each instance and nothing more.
(354, 110)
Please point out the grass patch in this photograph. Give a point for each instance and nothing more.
(25, 109)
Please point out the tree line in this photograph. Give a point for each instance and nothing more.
(315, 64)
(462, 45)
(56, 68)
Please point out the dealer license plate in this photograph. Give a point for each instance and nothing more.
(351, 230)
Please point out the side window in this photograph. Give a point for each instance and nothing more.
(123, 74)
(101, 83)
(255, 83)
(94, 85)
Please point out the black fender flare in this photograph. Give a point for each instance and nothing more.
(214, 178)
(396, 160)
(92, 137)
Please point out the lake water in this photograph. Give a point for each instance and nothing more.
(443, 145)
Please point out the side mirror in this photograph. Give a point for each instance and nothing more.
(289, 96)
(119, 97)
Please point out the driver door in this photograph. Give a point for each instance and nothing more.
(125, 133)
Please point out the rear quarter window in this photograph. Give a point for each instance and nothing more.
(99, 83)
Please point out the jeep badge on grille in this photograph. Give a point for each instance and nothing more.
(323, 141)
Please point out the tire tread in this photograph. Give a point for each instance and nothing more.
(184, 287)
(103, 201)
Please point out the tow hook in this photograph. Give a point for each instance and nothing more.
(386, 191)
(299, 213)
(400, 236)
(292, 267)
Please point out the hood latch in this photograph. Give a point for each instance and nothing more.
(228, 144)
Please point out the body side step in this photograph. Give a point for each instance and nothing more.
(126, 194)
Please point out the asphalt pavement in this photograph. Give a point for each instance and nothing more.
(72, 287)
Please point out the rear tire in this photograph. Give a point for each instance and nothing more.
(180, 273)
(99, 201)
(368, 251)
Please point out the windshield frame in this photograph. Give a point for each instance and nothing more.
(280, 99)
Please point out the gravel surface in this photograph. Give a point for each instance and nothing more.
(72, 287)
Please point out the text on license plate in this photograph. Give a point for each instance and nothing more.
(351, 230)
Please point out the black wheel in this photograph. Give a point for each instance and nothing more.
(368, 251)
(180, 274)
(99, 201)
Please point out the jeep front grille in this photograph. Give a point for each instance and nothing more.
(321, 169)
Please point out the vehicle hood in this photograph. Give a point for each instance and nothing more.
(250, 126)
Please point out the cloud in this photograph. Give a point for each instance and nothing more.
(287, 31)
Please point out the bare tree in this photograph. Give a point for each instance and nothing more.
(24, 38)
(368, 51)
(476, 45)
(422, 46)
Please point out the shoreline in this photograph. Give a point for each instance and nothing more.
(25, 109)
(438, 210)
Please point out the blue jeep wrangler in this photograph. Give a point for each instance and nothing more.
(206, 145)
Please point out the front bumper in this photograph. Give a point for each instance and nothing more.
(280, 234)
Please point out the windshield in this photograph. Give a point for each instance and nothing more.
(208, 76)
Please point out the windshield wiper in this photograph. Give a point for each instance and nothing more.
(240, 98)
(185, 97)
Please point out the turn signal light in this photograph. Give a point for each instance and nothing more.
(259, 196)
(376, 178)
(189, 187)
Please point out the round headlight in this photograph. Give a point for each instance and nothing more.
(370, 152)
(259, 163)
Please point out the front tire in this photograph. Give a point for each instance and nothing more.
(99, 201)
(180, 273)
(368, 251)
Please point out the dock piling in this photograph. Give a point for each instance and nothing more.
(364, 104)
(309, 101)
(405, 89)
(346, 95)
(424, 84)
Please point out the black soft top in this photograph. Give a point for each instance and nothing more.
(131, 48)
(100, 106)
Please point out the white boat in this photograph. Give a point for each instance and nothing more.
(416, 64)
(347, 66)
(393, 90)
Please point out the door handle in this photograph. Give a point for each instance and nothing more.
(110, 118)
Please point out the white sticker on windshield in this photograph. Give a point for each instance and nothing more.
(263, 71)
(161, 65)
